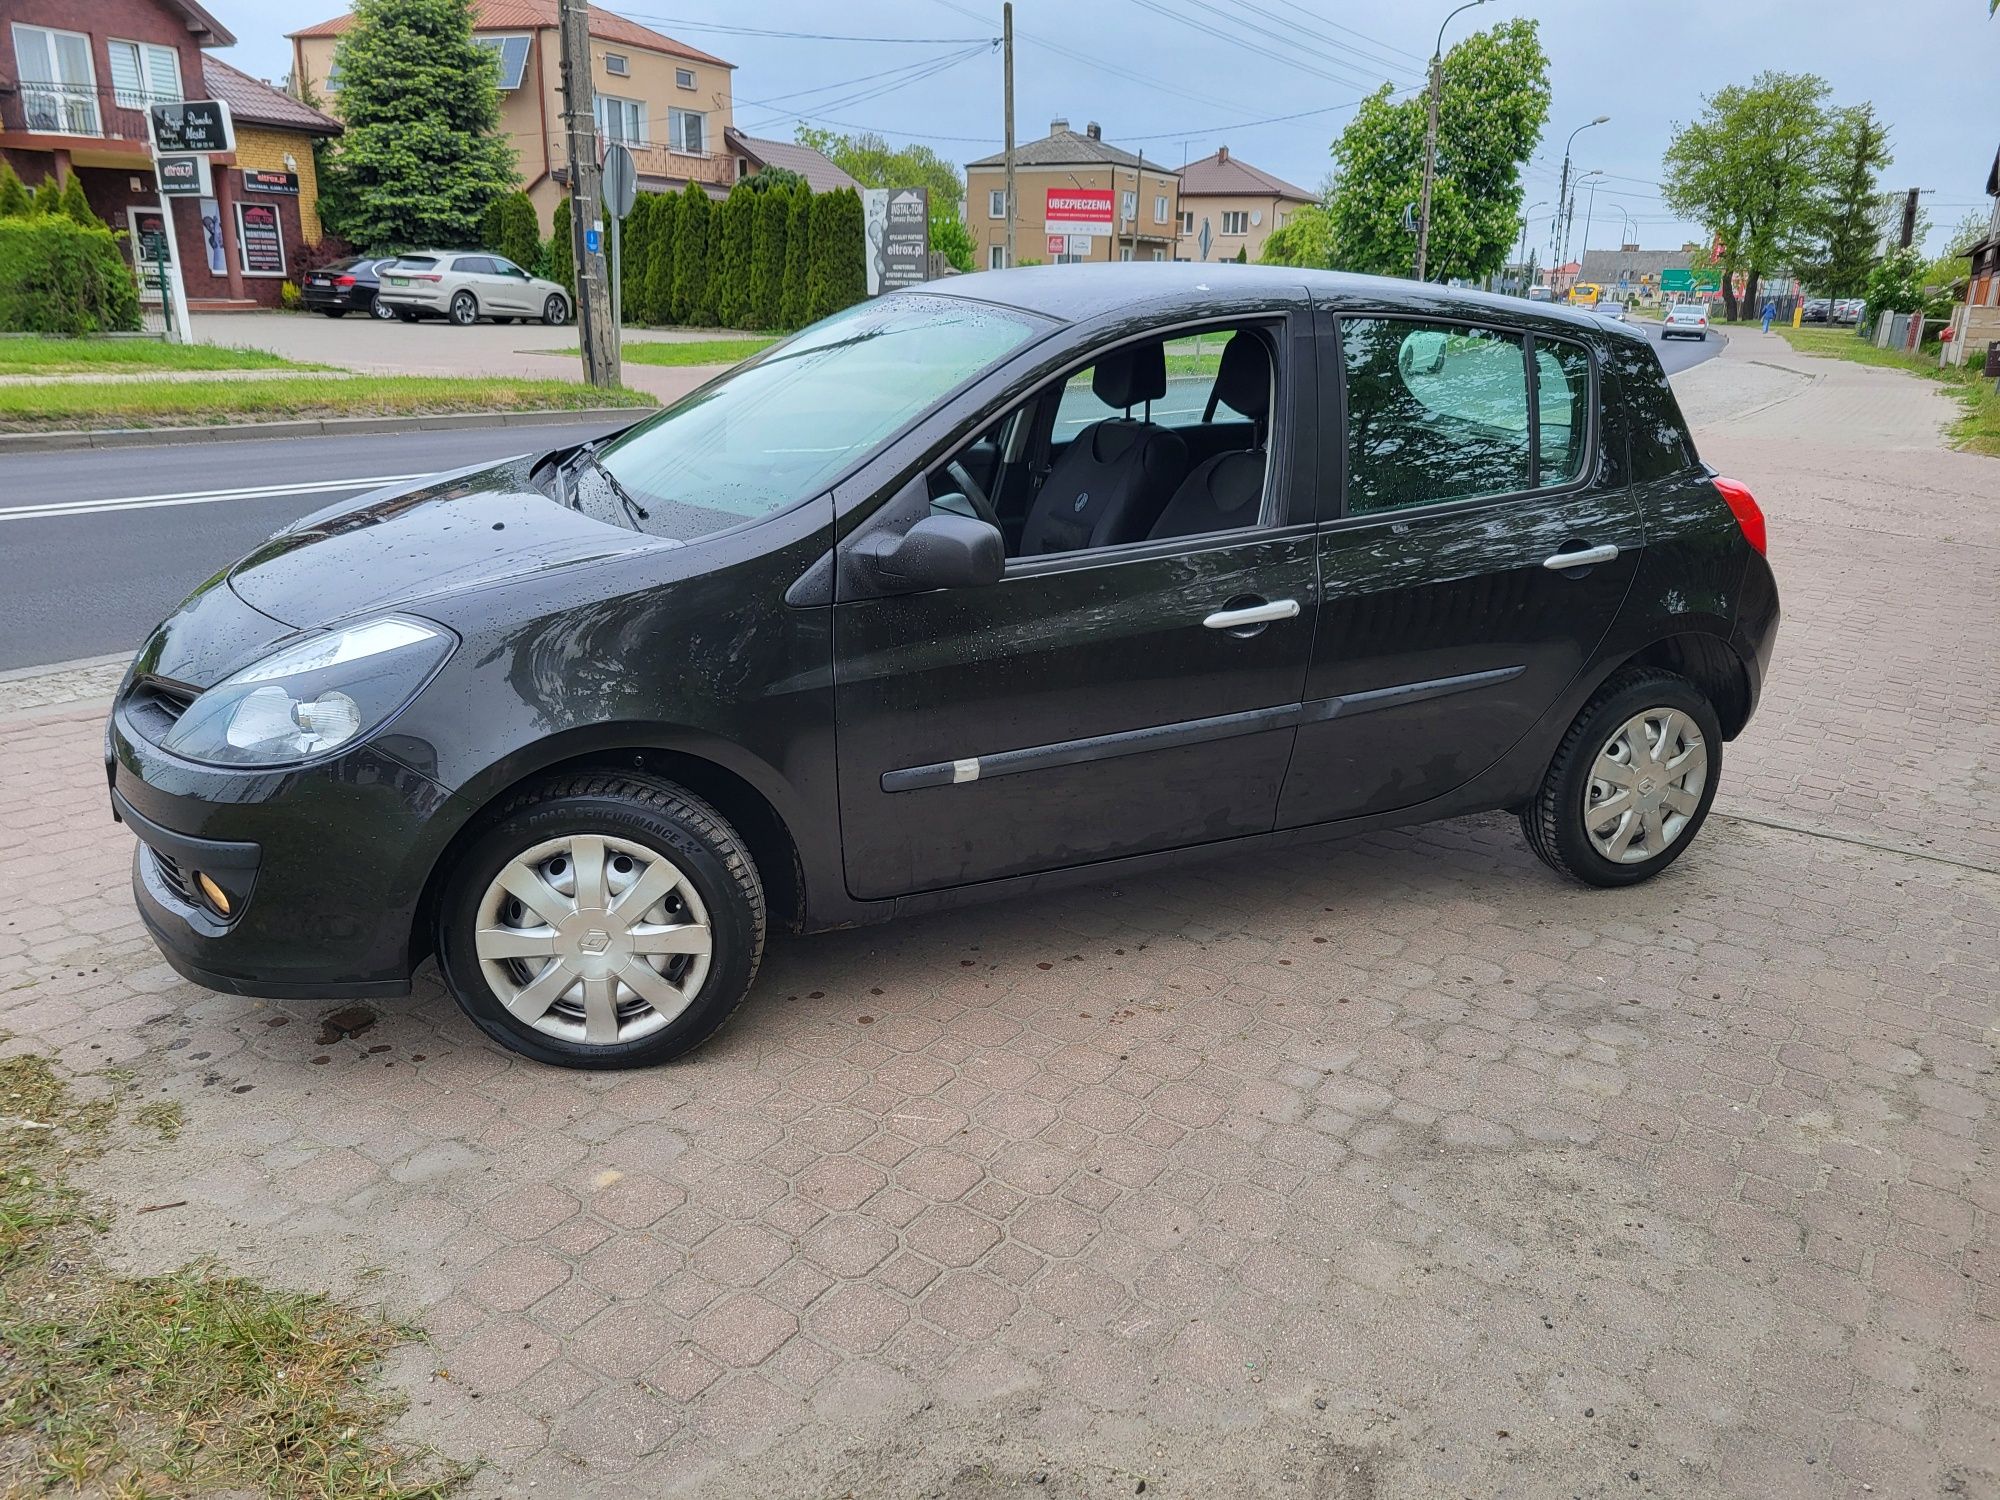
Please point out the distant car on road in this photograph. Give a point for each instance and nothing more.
(1612, 309)
(467, 285)
(343, 287)
(1847, 310)
(1816, 310)
(1540, 294)
(1685, 320)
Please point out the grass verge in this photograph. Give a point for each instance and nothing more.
(184, 1384)
(39, 356)
(206, 403)
(1977, 431)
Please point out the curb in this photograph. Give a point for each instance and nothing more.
(150, 437)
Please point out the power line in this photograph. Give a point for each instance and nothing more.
(1415, 57)
(913, 74)
(1089, 60)
(1158, 8)
(1296, 29)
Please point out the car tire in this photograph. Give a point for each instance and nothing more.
(555, 311)
(405, 315)
(1623, 726)
(643, 822)
(377, 310)
(464, 309)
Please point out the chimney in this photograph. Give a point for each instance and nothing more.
(1221, 155)
(1058, 125)
(1094, 130)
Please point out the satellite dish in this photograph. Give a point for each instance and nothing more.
(1256, 217)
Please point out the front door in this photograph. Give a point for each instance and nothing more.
(1096, 702)
(1480, 550)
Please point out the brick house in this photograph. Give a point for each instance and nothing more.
(75, 102)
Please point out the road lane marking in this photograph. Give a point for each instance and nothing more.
(204, 497)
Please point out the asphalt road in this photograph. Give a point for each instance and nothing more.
(97, 546)
(1678, 354)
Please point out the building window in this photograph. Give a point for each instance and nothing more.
(742, 166)
(58, 83)
(1160, 209)
(513, 54)
(996, 204)
(1128, 206)
(616, 64)
(143, 73)
(1187, 221)
(996, 258)
(1235, 221)
(684, 78)
(1124, 252)
(687, 132)
(1159, 255)
(621, 119)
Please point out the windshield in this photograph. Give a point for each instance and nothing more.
(779, 428)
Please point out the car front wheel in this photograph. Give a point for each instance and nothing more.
(603, 921)
(555, 311)
(1631, 783)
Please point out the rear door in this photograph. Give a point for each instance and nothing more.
(475, 274)
(1480, 546)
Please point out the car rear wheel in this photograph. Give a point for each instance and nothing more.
(464, 310)
(604, 921)
(555, 311)
(377, 310)
(1632, 782)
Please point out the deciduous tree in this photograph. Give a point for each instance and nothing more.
(421, 158)
(1493, 102)
(1753, 168)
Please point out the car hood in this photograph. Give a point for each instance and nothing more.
(393, 549)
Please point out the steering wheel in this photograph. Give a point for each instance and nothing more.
(974, 492)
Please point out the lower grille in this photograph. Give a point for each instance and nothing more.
(175, 878)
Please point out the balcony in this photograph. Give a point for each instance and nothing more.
(656, 160)
(65, 111)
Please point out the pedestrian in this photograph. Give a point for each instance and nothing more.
(1770, 312)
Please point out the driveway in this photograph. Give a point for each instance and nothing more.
(1393, 1168)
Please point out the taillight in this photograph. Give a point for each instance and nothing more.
(1743, 506)
(344, 281)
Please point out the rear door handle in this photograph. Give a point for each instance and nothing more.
(1563, 560)
(1253, 614)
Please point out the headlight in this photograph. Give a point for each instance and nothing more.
(313, 696)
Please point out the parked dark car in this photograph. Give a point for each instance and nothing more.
(1816, 310)
(343, 287)
(1047, 575)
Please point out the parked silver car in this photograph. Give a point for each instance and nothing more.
(467, 285)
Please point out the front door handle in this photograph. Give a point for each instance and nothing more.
(1253, 614)
(1583, 559)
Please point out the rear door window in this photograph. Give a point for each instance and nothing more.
(1562, 400)
(473, 265)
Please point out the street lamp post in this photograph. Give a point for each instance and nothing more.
(1431, 141)
(1589, 208)
(1522, 264)
(1565, 209)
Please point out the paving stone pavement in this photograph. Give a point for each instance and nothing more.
(1387, 1168)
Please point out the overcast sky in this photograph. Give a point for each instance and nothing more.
(1158, 83)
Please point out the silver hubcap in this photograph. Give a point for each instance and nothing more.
(593, 939)
(1645, 786)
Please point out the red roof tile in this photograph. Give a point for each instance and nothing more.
(531, 15)
(1226, 176)
(254, 100)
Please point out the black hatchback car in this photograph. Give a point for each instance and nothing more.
(345, 286)
(1038, 576)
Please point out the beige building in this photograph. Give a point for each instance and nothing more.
(1239, 203)
(669, 103)
(1078, 199)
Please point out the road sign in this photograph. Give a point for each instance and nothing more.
(593, 240)
(1206, 239)
(1079, 245)
(186, 177)
(199, 126)
(621, 180)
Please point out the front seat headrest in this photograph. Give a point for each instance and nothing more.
(1125, 377)
(1243, 378)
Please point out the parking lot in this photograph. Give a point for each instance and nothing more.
(1378, 1169)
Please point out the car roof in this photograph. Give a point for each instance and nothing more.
(1076, 294)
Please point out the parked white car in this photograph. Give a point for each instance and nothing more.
(1685, 320)
(467, 285)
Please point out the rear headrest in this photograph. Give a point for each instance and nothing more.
(1128, 376)
(1243, 379)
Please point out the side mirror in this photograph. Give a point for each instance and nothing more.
(938, 552)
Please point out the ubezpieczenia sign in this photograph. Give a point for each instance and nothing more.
(1077, 211)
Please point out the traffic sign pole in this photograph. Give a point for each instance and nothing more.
(196, 128)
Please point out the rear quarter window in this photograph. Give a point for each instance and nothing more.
(1655, 431)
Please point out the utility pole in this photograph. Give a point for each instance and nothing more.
(1007, 68)
(593, 291)
(1521, 269)
(1431, 142)
(1910, 216)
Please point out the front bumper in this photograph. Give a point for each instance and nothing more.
(326, 866)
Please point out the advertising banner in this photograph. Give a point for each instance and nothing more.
(257, 180)
(192, 125)
(185, 176)
(211, 236)
(1058, 245)
(1078, 211)
(898, 224)
(260, 245)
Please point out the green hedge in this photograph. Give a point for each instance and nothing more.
(59, 276)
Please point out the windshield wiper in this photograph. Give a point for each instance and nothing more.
(634, 511)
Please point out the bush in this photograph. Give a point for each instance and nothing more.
(634, 250)
(13, 197)
(795, 310)
(562, 249)
(837, 273)
(76, 207)
(767, 270)
(520, 233)
(289, 297)
(691, 304)
(660, 258)
(59, 276)
(734, 295)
